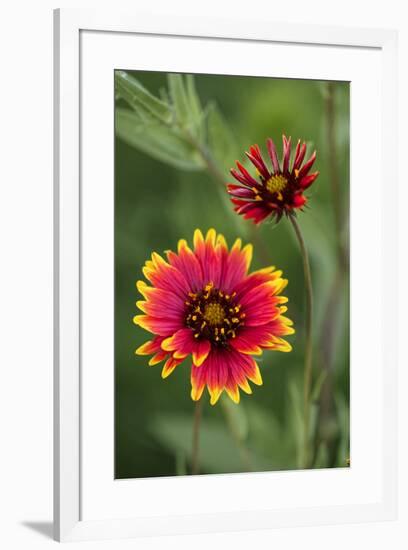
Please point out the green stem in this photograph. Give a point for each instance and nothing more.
(330, 108)
(330, 322)
(195, 467)
(307, 381)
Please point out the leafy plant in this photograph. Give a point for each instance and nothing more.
(176, 128)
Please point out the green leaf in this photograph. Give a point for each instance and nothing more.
(156, 140)
(197, 115)
(130, 89)
(193, 98)
(220, 138)
(179, 97)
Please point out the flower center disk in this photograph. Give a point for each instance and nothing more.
(213, 315)
(276, 183)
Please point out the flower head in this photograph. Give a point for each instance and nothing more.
(203, 303)
(272, 192)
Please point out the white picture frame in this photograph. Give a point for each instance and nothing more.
(72, 472)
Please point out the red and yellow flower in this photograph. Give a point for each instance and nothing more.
(273, 192)
(203, 303)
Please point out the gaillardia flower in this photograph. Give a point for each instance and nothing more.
(272, 192)
(204, 303)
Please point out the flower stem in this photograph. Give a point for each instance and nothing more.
(307, 381)
(330, 324)
(195, 467)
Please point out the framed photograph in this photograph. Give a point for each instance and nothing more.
(224, 275)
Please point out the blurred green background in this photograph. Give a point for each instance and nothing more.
(155, 205)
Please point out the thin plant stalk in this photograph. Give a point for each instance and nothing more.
(308, 364)
(327, 410)
(330, 109)
(195, 461)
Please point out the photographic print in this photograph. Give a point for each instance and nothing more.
(231, 274)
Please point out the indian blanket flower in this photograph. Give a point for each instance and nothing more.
(203, 303)
(276, 191)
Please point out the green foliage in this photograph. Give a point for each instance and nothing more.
(182, 107)
(174, 129)
(156, 140)
(130, 89)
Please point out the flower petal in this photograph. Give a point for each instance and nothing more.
(157, 325)
(274, 157)
(260, 303)
(165, 276)
(307, 181)
(255, 279)
(252, 210)
(187, 263)
(307, 166)
(264, 337)
(299, 156)
(235, 266)
(169, 366)
(299, 200)
(244, 177)
(255, 157)
(246, 345)
(201, 349)
(198, 382)
(160, 302)
(206, 254)
(180, 343)
(152, 346)
(158, 358)
(183, 343)
(224, 370)
(286, 153)
(242, 192)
